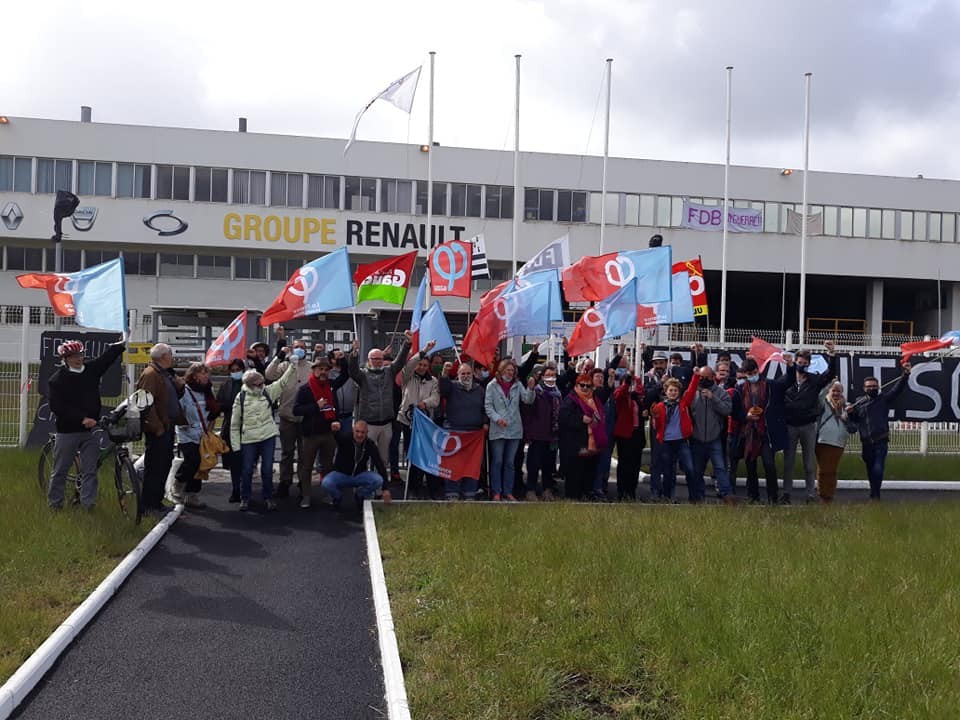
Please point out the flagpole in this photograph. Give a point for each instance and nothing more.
(726, 199)
(803, 217)
(603, 181)
(517, 201)
(429, 233)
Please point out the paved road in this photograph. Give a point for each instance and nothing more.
(233, 615)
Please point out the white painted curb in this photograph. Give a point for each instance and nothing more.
(14, 690)
(396, 689)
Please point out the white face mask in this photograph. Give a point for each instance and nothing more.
(77, 370)
(550, 381)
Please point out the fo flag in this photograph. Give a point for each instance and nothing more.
(96, 297)
(319, 286)
(448, 454)
(615, 316)
(230, 345)
(763, 352)
(554, 256)
(478, 263)
(596, 278)
(450, 268)
(385, 280)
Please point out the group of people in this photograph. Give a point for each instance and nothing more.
(342, 421)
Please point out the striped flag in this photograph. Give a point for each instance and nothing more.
(478, 263)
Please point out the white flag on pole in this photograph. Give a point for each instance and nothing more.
(554, 256)
(398, 93)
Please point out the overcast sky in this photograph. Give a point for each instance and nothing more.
(886, 73)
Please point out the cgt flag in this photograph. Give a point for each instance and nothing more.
(230, 345)
(306, 294)
(615, 316)
(596, 278)
(698, 285)
(385, 280)
(450, 268)
(447, 454)
(96, 297)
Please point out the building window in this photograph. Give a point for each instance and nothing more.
(396, 196)
(631, 209)
(286, 189)
(71, 261)
(361, 194)
(664, 214)
(213, 266)
(949, 227)
(888, 224)
(19, 258)
(284, 268)
(249, 268)
(210, 185)
(176, 265)
(440, 198)
(249, 187)
(846, 222)
(98, 257)
(53, 175)
(499, 201)
(571, 206)
(465, 200)
(140, 263)
(173, 182)
(771, 217)
(94, 178)
(538, 204)
(133, 181)
(323, 191)
(830, 220)
(933, 224)
(906, 225)
(919, 226)
(15, 174)
(859, 222)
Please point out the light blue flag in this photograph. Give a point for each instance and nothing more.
(653, 269)
(550, 277)
(619, 311)
(99, 296)
(526, 311)
(818, 365)
(433, 326)
(334, 287)
(419, 303)
(681, 308)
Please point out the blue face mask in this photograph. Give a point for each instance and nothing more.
(236, 375)
(753, 378)
(300, 353)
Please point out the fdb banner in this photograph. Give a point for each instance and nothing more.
(710, 217)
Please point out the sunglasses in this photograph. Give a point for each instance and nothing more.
(585, 386)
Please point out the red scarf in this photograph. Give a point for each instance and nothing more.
(322, 391)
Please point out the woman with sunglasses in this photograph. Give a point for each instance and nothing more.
(502, 404)
(583, 434)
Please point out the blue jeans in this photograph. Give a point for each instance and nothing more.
(502, 455)
(875, 457)
(702, 452)
(249, 452)
(669, 453)
(366, 484)
(602, 477)
(466, 487)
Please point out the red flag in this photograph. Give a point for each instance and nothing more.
(587, 335)
(230, 345)
(494, 293)
(386, 279)
(763, 352)
(698, 286)
(646, 316)
(61, 301)
(449, 266)
(483, 335)
(448, 454)
(916, 348)
(587, 279)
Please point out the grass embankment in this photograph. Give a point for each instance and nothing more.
(577, 611)
(50, 561)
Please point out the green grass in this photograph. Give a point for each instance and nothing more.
(50, 561)
(568, 612)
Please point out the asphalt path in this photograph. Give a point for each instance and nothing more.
(232, 615)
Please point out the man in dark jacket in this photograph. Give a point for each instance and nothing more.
(75, 400)
(802, 407)
(540, 428)
(871, 412)
(464, 410)
(709, 411)
(352, 467)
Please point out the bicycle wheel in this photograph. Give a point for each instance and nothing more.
(128, 488)
(45, 467)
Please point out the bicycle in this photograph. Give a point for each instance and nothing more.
(113, 437)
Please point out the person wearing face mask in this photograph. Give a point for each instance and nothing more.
(291, 435)
(75, 400)
(254, 431)
(227, 393)
(870, 413)
(582, 435)
(463, 410)
(832, 432)
(629, 435)
(160, 380)
(801, 408)
(200, 410)
(541, 423)
(709, 410)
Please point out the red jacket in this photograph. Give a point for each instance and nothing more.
(624, 401)
(658, 414)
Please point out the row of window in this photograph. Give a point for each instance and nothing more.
(361, 194)
(171, 264)
(13, 315)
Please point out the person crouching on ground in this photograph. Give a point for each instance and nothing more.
(254, 430)
(352, 468)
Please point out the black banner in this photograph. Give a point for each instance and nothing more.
(932, 392)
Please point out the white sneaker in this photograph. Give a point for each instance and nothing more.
(305, 502)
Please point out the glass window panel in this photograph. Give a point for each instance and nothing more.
(174, 265)
(906, 225)
(676, 215)
(846, 222)
(124, 180)
(919, 226)
(531, 204)
(19, 258)
(247, 268)
(50, 257)
(440, 198)
(213, 266)
(663, 211)
(258, 187)
(711, 201)
(164, 182)
(218, 189)
(595, 200)
(647, 205)
(949, 227)
(492, 201)
(458, 200)
(201, 189)
(354, 198)
(6, 174)
(830, 220)
(388, 196)
(86, 176)
(404, 196)
(22, 170)
(888, 224)
(507, 202)
(934, 227)
(771, 217)
(295, 190)
(421, 208)
(142, 181)
(579, 207)
(564, 205)
(278, 189)
(613, 209)
(241, 187)
(473, 200)
(859, 222)
(546, 205)
(315, 191)
(71, 261)
(64, 172)
(45, 178)
(874, 223)
(103, 185)
(181, 183)
(784, 207)
(631, 210)
(741, 203)
(331, 192)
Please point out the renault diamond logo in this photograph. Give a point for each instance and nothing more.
(12, 215)
(84, 218)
